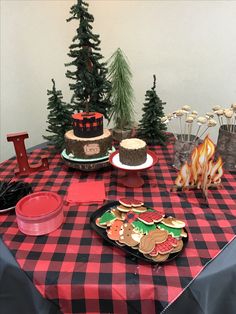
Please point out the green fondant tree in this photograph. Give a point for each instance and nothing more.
(59, 118)
(150, 127)
(90, 87)
(122, 97)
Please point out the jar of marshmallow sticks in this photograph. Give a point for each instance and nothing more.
(188, 128)
(183, 149)
(226, 142)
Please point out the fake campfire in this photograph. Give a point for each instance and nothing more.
(202, 172)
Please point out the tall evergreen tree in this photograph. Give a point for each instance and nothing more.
(59, 118)
(150, 128)
(122, 95)
(89, 75)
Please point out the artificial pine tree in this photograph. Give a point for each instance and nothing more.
(90, 87)
(59, 118)
(120, 75)
(150, 128)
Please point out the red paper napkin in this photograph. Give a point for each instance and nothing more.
(86, 192)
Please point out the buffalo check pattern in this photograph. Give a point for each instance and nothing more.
(79, 271)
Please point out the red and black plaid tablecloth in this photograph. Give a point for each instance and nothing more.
(78, 270)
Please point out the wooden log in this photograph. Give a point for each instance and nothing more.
(87, 148)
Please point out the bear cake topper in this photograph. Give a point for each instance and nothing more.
(202, 172)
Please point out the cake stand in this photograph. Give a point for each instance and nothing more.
(92, 164)
(132, 178)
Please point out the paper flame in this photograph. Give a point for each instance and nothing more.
(202, 171)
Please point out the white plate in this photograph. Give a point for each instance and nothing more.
(64, 155)
(117, 163)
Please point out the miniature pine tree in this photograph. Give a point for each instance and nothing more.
(150, 128)
(90, 87)
(120, 76)
(59, 118)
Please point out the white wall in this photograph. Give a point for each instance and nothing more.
(189, 45)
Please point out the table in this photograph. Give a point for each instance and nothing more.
(76, 269)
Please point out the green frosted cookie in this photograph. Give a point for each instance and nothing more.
(106, 218)
(142, 227)
(175, 232)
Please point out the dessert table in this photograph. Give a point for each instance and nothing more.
(81, 273)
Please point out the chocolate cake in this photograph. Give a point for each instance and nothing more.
(88, 139)
(133, 152)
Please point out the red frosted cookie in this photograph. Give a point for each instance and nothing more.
(147, 242)
(129, 202)
(179, 246)
(164, 247)
(150, 217)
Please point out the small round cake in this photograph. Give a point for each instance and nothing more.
(133, 152)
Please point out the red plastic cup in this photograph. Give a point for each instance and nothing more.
(39, 213)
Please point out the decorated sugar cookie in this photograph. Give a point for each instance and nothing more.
(125, 202)
(184, 234)
(173, 231)
(160, 257)
(120, 244)
(130, 217)
(139, 209)
(142, 227)
(150, 217)
(147, 256)
(107, 218)
(113, 232)
(164, 247)
(129, 202)
(129, 236)
(123, 208)
(148, 242)
(119, 215)
(173, 222)
(179, 246)
(98, 224)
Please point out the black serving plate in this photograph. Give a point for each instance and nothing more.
(132, 253)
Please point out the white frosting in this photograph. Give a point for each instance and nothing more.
(132, 143)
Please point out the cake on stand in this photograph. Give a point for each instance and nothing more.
(88, 164)
(132, 176)
(88, 145)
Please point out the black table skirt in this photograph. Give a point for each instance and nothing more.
(18, 295)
